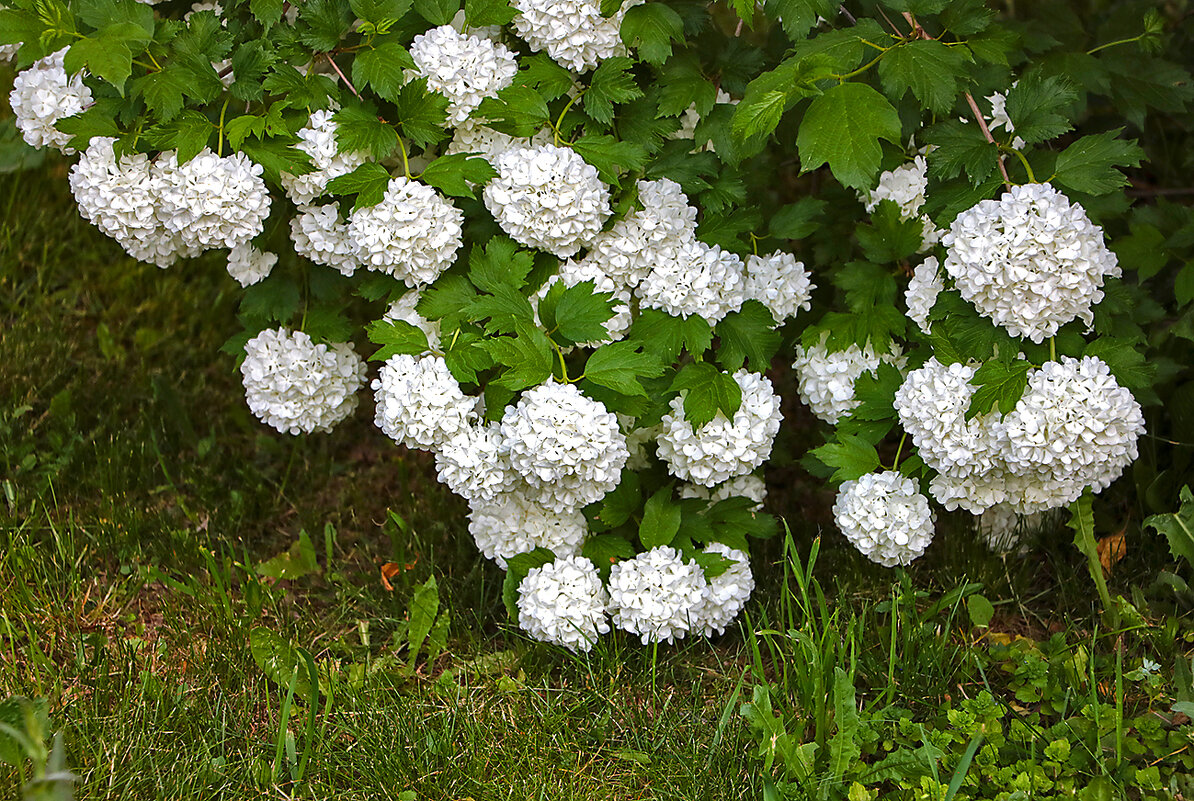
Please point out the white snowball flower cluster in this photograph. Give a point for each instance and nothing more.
(318, 140)
(565, 445)
(573, 32)
(472, 464)
(320, 234)
(923, 288)
(1074, 427)
(297, 386)
(698, 279)
(826, 379)
(42, 95)
(212, 201)
(905, 186)
(474, 137)
(1031, 261)
(564, 603)
(548, 197)
(412, 234)
(248, 265)
(465, 69)
(884, 516)
(656, 595)
(780, 283)
(723, 449)
(419, 402)
(514, 522)
(725, 595)
(404, 309)
(748, 486)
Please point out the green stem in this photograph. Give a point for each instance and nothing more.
(1024, 161)
(560, 120)
(1052, 349)
(220, 140)
(899, 449)
(1092, 51)
(405, 158)
(865, 66)
(563, 367)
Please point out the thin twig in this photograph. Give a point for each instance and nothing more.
(344, 77)
(848, 15)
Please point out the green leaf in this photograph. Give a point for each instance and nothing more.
(466, 358)
(682, 85)
(482, 13)
(708, 391)
(368, 182)
(517, 567)
(163, 91)
(458, 174)
(797, 220)
(664, 335)
(325, 23)
(382, 69)
(446, 300)
(277, 298)
(396, 337)
(736, 518)
(842, 128)
(606, 550)
(379, 12)
(926, 66)
(770, 94)
(651, 28)
(799, 16)
(107, 58)
(661, 519)
(748, 334)
(981, 611)
(95, 121)
(610, 156)
(1088, 165)
(547, 78)
(612, 82)
(276, 157)
(960, 148)
(527, 357)
(501, 263)
(620, 503)
(1127, 363)
(188, 133)
(295, 563)
(1000, 384)
(267, 12)
(358, 128)
(1183, 284)
(516, 111)
(250, 63)
(620, 365)
(1178, 528)
(852, 455)
(890, 238)
(759, 116)
(437, 12)
(844, 748)
(424, 606)
(421, 113)
(504, 308)
(280, 661)
(1041, 108)
(581, 313)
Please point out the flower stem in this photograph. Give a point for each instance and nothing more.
(220, 131)
(560, 120)
(405, 158)
(1094, 50)
(899, 448)
(1027, 167)
(1052, 349)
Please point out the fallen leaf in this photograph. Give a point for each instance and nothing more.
(1111, 549)
(388, 571)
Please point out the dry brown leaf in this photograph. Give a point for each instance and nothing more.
(1111, 549)
(388, 571)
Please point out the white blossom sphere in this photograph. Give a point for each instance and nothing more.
(297, 386)
(318, 140)
(564, 444)
(471, 463)
(656, 595)
(420, 403)
(320, 234)
(548, 197)
(722, 448)
(826, 379)
(885, 517)
(465, 69)
(725, 595)
(412, 234)
(474, 137)
(1031, 261)
(923, 288)
(42, 95)
(564, 603)
(513, 522)
(780, 283)
(248, 265)
(573, 32)
(695, 278)
(212, 201)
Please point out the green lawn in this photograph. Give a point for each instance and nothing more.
(139, 494)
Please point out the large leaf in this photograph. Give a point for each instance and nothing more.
(842, 128)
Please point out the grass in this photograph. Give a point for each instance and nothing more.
(137, 494)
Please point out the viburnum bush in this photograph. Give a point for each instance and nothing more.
(581, 231)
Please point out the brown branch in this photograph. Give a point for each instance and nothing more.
(343, 77)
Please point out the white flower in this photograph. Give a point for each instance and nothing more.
(1031, 261)
(248, 265)
(404, 309)
(725, 595)
(513, 523)
(419, 402)
(656, 595)
(474, 137)
(923, 288)
(884, 516)
(563, 603)
(637, 440)
(565, 445)
(321, 235)
(573, 32)
(412, 234)
(748, 486)
(42, 95)
(548, 197)
(196, 8)
(905, 186)
(318, 140)
(723, 449)
(780, 283)
(826, 380)
(297, 386)
(464, 69)
(212, 201)
(1000, 119)
(471, 463)
(695, 278)
(691, 118)
(1074, 427)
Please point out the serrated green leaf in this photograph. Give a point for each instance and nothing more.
(379, 12)
(1040, 107)
(581, 313)
(684, 85)
(1000, 386)
(890, 238)
(926, 66)
(606, 550)
(612, 82)
(661, 520)
(526, 357)
(620, 366)
(267, 12)
(1177, 528)
(610, 156)
(458, 174)
(382, 69)
(517, 567)
(516, 111)
(960, 148)
(482, 13)
(842, 128)
(797, 220)
(422, 114)
(324, 23)
(368, 182)
(748, 334)
(358, 128)
(620, 503)
(650, 29)
(188, 133)
(707, 392)
(1089, 164)
(499, 264)
(396, 337)
(1131, 368)
(547, 78)
(109, 59)
(799, 16)
(437, 12)
(852, 455)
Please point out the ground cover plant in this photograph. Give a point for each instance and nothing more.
(582, 350)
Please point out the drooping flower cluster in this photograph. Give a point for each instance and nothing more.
(573, 32)
(923, 288)
(318, 140)
(826, 378)
(412, 234)
(297, 386)
(1031, 261)
(656, 595)
(465, 69)
(514, 522)
(419, 402)
(884, 516)
(42, 95)
(248, 265)
(564, 603)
